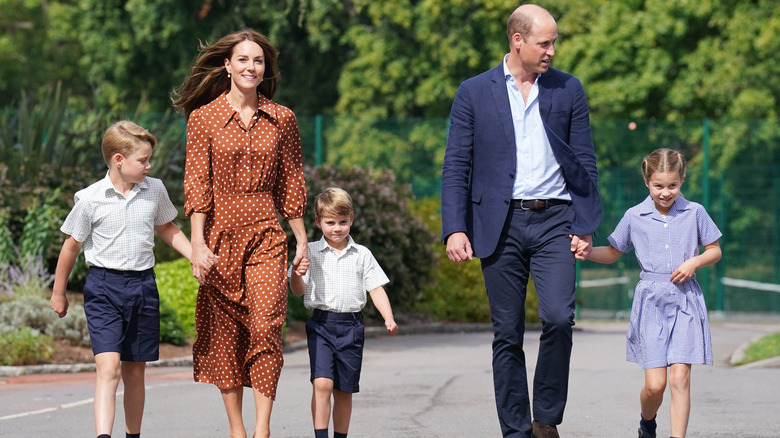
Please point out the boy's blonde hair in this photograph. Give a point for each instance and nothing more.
(125, 137)
(663, 160)
(333, 202)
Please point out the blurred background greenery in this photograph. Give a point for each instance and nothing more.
(372, 84)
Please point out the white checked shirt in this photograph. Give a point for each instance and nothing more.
(118, 232)
(339, 282)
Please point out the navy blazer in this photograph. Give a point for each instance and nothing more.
(480, 160)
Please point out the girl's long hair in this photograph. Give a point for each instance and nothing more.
(208, 78)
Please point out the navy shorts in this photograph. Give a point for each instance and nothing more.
(335, 343)
(123, 313)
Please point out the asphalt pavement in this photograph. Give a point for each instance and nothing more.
(430, 382)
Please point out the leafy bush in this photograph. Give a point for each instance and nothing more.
(29, 278)
(384, 223)
(172, 331)
(457, 292)
(178, 290)
(25, 347)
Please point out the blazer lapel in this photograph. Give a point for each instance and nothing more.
(545, 95)
(501, 98)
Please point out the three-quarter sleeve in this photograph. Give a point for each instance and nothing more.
(290, 189)
(198, 190)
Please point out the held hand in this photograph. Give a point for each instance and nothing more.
(202, 261)
(301, 268)
(459, 247)
(581, 246)
(301, 253)
(391, 327)
(684, 272)
(59, 304)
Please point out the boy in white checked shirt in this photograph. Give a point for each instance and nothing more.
(333, 284)
(114, 220)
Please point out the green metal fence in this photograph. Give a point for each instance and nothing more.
(733, 170)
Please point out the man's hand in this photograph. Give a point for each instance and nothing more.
(581, 246)
(459, 247)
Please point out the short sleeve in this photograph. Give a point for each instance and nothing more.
(708, 231)
(373, 275)
(78, 224)
(290, 188)
(620, 239)
(198, 190)
(166, 212)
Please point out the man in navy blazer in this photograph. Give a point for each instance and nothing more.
(519, 191)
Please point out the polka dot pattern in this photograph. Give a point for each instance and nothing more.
(240, 176)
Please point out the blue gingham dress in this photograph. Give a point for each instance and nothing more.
(668, 320)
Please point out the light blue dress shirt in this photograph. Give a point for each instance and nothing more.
(538, 175)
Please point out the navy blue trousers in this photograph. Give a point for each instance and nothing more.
(534, 243)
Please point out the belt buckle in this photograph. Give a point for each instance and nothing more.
(538, 204)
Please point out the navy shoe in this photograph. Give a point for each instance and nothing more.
(644, 434)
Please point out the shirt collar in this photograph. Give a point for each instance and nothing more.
(324, 246)
(680, 204)
(508, 76)
(223, 107)
(105, 185)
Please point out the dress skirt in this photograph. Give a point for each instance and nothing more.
(668, 323)
(242, 307)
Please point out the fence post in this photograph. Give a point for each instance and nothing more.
(318, 140)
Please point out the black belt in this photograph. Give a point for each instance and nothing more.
(537, 204)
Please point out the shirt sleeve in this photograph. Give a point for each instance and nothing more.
(198, 190)
(708, 231)
(78, 224)
(620, 239)
(290, 188)
(373, 275)
(166, 212)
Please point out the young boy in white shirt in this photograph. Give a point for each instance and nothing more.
(333, 284)
(114, 220)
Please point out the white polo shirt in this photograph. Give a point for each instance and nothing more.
(118, 232)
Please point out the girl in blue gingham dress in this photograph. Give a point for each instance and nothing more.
(668, 329)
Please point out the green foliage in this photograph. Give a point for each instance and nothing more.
(172, 331)
(25, 346)
(178, 291)
(457, 292)
(7, 251)
(29, 278)
(383, 222)
(765, 348)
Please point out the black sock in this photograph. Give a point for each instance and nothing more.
(320, 433)
(647, 425)
(339, 435)
(104, 435)
(133, 435)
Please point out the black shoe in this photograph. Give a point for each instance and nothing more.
(541, 430)
(643, 434)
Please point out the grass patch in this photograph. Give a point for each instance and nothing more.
(765, 348)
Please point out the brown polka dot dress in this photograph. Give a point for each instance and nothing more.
(240, 177)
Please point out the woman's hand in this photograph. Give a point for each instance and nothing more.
(202, 261)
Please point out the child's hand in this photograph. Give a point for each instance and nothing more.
(59, 304)
(391, 327)
(301, 268)
(684, 272)
(580, 246)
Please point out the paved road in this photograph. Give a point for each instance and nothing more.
(425, 385)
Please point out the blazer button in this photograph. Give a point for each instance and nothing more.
(511, 176)
(506, 202)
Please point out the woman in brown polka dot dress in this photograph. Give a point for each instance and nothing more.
(243, 165)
